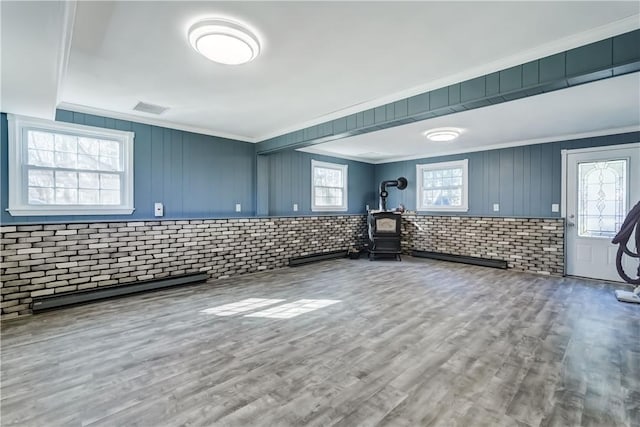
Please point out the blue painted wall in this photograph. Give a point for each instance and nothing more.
(524, 180)
(198, 176)
(288, 174)
(195, 176)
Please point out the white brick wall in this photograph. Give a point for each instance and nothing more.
(527, 244)
(49, 259)
(57, 258)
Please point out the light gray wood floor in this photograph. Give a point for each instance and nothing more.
(411, 343)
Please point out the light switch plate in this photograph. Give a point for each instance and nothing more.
(238, 207)
(158, 209)
(555, 207)
(295, 207)
(496, 207)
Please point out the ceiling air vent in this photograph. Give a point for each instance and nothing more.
(150, 108)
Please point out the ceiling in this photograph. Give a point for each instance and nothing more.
(320, 60)
(599, 108)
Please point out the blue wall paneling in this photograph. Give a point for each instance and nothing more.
(198, 176)
(194, 176)
(523, 180)
(289, 182)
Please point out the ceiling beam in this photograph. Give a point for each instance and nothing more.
(607, 58)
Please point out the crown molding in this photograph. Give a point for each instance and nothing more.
(77, 108)
(566, 137)
(576, 40)
(313, 150)
(616, 28)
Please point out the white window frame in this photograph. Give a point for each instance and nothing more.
(18, 203)
(420, 169)
(345, 184)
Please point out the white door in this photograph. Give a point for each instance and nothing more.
(602, 185)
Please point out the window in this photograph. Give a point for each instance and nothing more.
(60, 168)
(328, 186)
(602, 190)
(443, 186)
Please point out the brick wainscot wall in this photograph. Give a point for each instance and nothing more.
(528, 244)
(56, 258)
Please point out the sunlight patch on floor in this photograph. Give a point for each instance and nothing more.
(243, 306)
(293, 309)
(284, 311)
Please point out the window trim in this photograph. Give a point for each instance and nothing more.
(18, 206)
(345, 185)
(421, 168)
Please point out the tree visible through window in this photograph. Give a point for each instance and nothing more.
(60, 168)
(442, 186)
(329, 186)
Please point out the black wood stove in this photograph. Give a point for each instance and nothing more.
(385, 226)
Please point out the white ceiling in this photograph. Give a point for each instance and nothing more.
(598, 108)
(320, 60)
(34, 39)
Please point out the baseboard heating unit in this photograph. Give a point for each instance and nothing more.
(484, 262)
(49, 302)
(301, 260)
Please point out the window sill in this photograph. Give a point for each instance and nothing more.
(329, 209)
(68, 211)
(447, 209)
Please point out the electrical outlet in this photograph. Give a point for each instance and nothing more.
(367, 208)
(496, 207)
(158, 209)
(555, 207)
(238, 207)
(295, 207)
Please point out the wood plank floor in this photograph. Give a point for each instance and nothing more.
(411, 343)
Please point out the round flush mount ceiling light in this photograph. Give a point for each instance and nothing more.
(442, 134)
(224, 41)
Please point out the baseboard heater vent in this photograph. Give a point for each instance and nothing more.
(301, 260)
(484, 262)
(49, 302)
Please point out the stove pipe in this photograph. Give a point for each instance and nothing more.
(401, 183)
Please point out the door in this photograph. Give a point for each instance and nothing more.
(602, 185)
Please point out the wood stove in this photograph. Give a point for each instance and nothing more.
(385, 226)
(384, 234)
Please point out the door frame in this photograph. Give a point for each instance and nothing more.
(564, 181)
